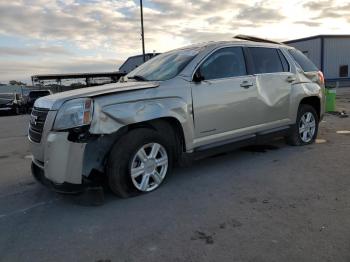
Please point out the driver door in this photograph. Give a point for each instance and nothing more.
(225, 98)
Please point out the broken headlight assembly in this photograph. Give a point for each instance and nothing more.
(74, 113)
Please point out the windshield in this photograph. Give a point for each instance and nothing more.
(164, 66)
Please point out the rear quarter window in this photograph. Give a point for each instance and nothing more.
(305, 63)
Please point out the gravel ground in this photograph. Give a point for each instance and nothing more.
(267, 203)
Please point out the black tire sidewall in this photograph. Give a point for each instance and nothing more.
(120, 158)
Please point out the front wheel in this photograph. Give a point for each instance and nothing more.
(139, 162)
(304, 132)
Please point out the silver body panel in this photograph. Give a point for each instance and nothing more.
(209, 112)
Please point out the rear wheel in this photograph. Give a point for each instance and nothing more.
(305, 130)
(139, 162)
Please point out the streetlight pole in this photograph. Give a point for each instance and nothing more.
(142, 33)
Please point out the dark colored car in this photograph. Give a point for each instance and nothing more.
(135, 61)
(33, 95)
(11, 103)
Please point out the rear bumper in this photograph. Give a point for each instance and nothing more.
(65, 188)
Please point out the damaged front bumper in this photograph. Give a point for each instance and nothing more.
(66, 188)
(58, 162)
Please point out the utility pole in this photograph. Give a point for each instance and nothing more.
(142, 33)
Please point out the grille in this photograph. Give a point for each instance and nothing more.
(36, 124)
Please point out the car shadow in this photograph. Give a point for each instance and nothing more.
(6, 113)
(99, 196)
(10, 113)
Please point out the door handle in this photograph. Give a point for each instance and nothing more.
(291, 79)
(246, 84)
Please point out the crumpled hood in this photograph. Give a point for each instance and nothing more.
(54, 102)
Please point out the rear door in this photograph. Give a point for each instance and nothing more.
(274, 83)
(225, 100)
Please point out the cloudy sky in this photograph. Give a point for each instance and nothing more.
(48, 36)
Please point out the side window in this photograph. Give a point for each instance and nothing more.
(266, 60)
(303, 61)
(226, 62)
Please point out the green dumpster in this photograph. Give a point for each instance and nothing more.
(330, 99)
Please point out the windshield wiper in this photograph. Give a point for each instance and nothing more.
(138, 78)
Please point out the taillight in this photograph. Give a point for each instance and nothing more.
(320, 77)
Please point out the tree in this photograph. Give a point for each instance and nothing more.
(16, 83)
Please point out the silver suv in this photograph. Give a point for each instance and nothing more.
(180, 105)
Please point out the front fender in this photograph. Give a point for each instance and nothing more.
(111, 118)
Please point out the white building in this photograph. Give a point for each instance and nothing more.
(330, 53)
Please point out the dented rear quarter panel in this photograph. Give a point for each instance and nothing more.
(305, 85)
(301, 90)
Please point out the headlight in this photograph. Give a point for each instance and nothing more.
(74, 113)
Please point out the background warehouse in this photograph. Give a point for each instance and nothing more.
(330, 53)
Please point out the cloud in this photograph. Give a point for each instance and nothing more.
(319, 5)
(329, 9)
(260, 14)
(88, 25)
(115, 24)
(308, 23)
(34, 51)
(103, 32)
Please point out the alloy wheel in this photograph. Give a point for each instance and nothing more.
(149, 166)
(307, 127)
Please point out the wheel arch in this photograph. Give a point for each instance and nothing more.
(158, 124)
(98, 148)
(313, 101)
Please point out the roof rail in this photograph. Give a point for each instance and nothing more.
(256, 39)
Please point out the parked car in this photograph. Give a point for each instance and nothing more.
(33, 95)
(11, 103)
(180, 105)
(135, 61)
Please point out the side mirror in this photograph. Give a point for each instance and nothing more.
(197, 77)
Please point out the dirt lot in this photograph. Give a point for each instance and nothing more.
(275, 203)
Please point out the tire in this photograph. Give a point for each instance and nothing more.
(14, 110)
(125, 155)
(297, 137)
